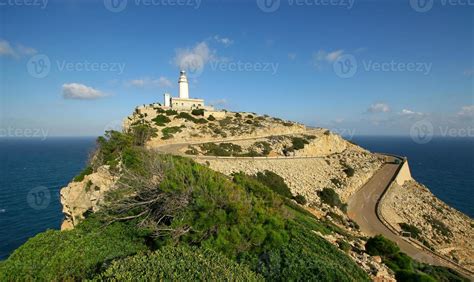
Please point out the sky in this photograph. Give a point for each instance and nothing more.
(78, 67)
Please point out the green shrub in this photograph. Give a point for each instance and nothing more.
(211, 118)
(161, 120)
(249, 116)
(201, 120)
(249, 121)
(237, 115)
(171, 112)
(88, 170)
(439, 226)
(197, 112)
(180, 263)
(274, 182)
(380, 246)
(300, 199)
(413, 230)
(169, 131)
(348, 170)
(142, 133)
(298, 143)
(221, 149)
(343, 245)
(331, 198)
(407, 275)
(70, 255)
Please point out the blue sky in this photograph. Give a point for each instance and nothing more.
(296, 62)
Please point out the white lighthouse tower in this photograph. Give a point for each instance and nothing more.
(183, 85)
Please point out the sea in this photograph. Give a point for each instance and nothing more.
(32, 172)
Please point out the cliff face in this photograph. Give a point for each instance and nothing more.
(85, 196)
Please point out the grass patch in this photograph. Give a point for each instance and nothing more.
(169, 131)
(88, 170)
(161, 120)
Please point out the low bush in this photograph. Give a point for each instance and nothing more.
(331, 198)
(211, 118)
(71, 255)
(274, 182)
(171, 112)
(380, 246)
(178, 263)
(343, 245)
(197, 112)
(169, 131)
(413, 230)
(237, 115)
(88, 170)
(142, 133)
(300, 199)
(161, 120)
(348, 170)
(221, 149)
(298, 143)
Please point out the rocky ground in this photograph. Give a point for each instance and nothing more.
(442, 228)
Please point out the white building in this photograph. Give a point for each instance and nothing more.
(183, 102)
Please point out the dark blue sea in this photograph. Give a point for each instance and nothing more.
(33, 171)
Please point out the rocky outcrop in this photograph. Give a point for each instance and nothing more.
(442, 228)
(78, 198)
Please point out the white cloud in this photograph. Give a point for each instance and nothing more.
(466, 112)
(6, 49)
(194, 59)
(223, 40)
(80, 92)
(378, 108)
(406, 112)
(151, 82)
(323, 56)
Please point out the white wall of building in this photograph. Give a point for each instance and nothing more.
(183, 86)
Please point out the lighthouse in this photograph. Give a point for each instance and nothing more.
(183, 85)
(183, 102)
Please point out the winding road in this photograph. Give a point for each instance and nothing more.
(362, 208)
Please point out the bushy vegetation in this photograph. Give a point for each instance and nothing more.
(189, 117)
(171, 112)
(413, 230)
(71, 255)
(298, 143)
(211, 118)
(300, 199)
(331, 198)
(161, 120)
(197, 112)
(348, 170)
(439, 226)
(221, 149)
(178, 263)
(169, 131)
(274, 182)
(88, 170)
(405, 268)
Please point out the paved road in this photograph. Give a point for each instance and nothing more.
(362, 209)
